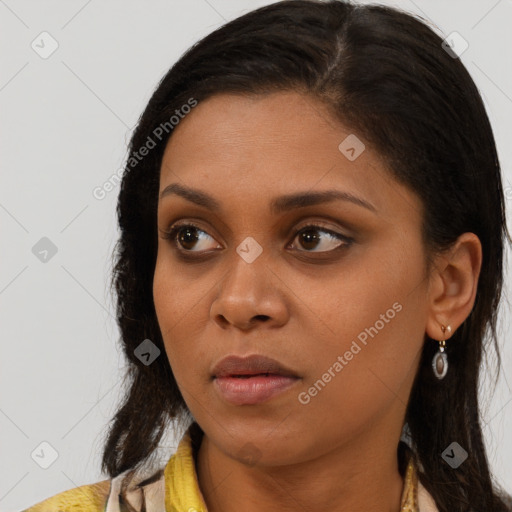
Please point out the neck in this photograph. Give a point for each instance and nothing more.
(356, 477)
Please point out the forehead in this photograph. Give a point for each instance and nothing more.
(264, 145)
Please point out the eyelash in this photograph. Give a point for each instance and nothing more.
(171, 234)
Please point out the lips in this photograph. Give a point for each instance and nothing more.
(251, 380)
(245, 367)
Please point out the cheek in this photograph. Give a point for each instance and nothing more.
(181, 312)
(164, 298)
(374, 322)
(365, 371)
(171, 311)
(176, 298)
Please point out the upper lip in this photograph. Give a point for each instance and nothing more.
(250, 365)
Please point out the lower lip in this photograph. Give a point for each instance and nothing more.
(252, 390)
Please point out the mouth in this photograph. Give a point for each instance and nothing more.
(250, 366)
(251, 380)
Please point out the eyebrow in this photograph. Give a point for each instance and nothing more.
(277, 205)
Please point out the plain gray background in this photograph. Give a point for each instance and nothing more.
(66, 121)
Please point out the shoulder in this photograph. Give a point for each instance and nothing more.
(86, 498)
(159, 484)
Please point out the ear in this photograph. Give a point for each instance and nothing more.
(453, 285)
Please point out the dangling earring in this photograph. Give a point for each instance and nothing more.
(440, 360)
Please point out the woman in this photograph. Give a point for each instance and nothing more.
(312, 233)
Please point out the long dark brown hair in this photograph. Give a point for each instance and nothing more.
(384, 74)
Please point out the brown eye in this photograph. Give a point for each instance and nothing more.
(187, 237)
(313, 242)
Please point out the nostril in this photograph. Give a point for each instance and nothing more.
(261, 317)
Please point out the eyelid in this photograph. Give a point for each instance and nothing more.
(319, 224)
(303, 222)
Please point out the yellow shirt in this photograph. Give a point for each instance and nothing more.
(175, 488)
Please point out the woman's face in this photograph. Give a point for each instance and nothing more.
(334, 290)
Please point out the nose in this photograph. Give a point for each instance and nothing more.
(249, 294)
